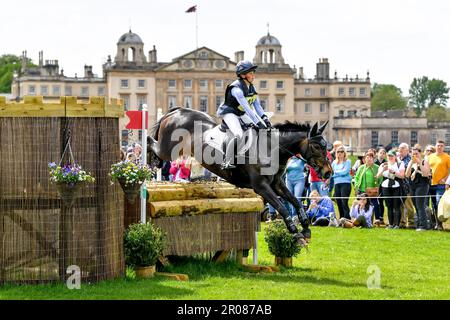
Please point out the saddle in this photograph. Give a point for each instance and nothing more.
(219, 136)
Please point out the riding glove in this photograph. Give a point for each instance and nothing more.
(266, 121)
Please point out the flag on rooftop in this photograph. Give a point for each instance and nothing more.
(192, 9)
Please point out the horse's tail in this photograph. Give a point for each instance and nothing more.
(152, 141)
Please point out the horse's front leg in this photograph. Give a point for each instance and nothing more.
(281, 190)
(265, 190)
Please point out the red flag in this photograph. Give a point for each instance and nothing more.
(135, 120)
(192, 9)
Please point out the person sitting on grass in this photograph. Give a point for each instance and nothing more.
(361, 214)
(321, 209)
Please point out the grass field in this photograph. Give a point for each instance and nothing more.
(413, 266)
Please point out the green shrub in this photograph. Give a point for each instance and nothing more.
(143, 244)
(281, 243)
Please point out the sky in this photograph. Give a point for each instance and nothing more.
(395, 40)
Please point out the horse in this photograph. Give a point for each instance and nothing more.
(291, 139)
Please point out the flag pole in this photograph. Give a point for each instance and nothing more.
(196, 27)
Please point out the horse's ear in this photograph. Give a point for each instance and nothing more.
(313, 131)
(322, 127)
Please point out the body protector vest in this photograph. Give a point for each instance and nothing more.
(231, 105)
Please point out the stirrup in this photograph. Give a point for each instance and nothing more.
(227, 165)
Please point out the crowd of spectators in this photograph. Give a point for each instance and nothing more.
(396, 188)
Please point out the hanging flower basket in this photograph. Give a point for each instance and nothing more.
(131, 190)
(68, 179)
(68, 192)
(131, 176)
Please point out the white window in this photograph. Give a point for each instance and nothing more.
(433, 138)
(413, 138)
(375, 139)
(279, 105)
(362, 92)
(141, 83)
(172, 101)
(68, 90)
(124, 138)
(341, 113)
(394, 136)
(141, 99)
(263, 102)
(203, 103)
(323, 92)
(307, 92)
(218, 101)
(84, 91)
(31, 90)
(187, 102)
(56, 90)
(172, 84)
(187, 84)
(351, 92)
(101, 91)
(280, 84)
(341, 92)
(308, 108)
(44, 90)
(203, 54)
(124, 83)
(203, 84)
(219, 83)
(126, 101)
(263, 84)
(323, 108)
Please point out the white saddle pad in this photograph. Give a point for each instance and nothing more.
(215, 138)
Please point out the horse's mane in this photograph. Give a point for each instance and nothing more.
(289, 126)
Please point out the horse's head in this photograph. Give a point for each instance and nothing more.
(314, 151)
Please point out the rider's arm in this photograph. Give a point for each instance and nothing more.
(239, 95)
(258, 108)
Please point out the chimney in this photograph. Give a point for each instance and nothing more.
(41, 59)
(238, 56)
(24, 62)
(300, 73)
(152, 55)
(323, 69)
(88, 72)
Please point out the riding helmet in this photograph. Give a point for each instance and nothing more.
(244, 67)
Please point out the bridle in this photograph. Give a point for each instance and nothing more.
(307, 153)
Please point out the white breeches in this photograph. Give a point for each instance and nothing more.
(234, 124)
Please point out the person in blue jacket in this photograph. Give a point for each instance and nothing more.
(241, 98)
(321, 209)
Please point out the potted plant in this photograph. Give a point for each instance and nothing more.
(130, 176)
(143, 245)
(281, 243)
(69, 179)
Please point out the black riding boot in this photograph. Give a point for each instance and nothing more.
(229, 154)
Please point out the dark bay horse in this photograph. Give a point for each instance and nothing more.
(187, 127)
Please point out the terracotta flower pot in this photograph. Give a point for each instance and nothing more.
(131, 190)
(69, 192)
(145, 272)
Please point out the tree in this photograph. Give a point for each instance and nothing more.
(438, 113)
(424, 93)
(9, 64)
(387, 97)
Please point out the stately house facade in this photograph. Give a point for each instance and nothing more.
(198, 79)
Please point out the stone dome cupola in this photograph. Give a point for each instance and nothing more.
(130, 49)
(268, 50)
